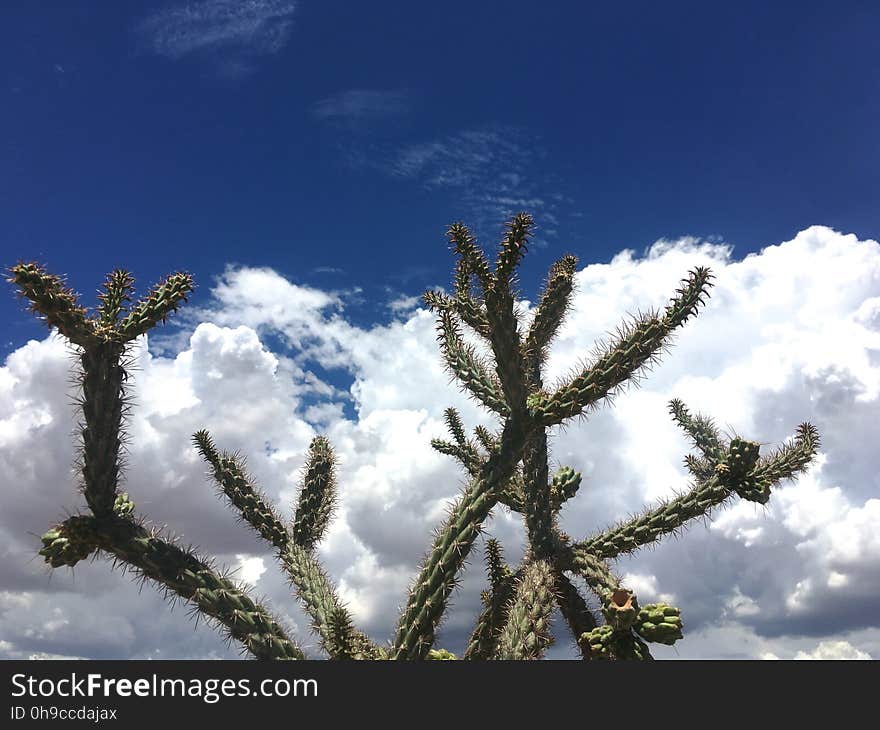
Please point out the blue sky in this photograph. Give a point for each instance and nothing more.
(315, 135)
(303, 160)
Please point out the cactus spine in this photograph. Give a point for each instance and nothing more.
(508, 467)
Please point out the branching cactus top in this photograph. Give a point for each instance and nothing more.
(508, 467)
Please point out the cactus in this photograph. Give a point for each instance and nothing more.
(507, 468)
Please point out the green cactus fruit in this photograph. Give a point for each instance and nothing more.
(620, 609)
(566, 482)
(605, 643)
(122, 505)
(754, 490)
(440, 655)
(598, 642)
(61, 547)
(660, 623)
(743, 455)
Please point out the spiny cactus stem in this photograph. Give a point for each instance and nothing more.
(639, 345)
(527, 631)
(118, 288)
(184, 574)
(574, 609)
(538, 511)
(311, 583)
(551, 310)
(465, 365)
(483, 639)
(672, 515)
(505, 341)
(427, 599)
(103, 378)
(700, 429)
(317, 497)
(54, 302)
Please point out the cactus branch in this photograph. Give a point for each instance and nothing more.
(162, 300)
(638, 345)
(53, 302)
(180, 572)
(429, 596)
(527, 631)
(465, 365)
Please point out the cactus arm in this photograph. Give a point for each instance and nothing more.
(551, 310)
(574, 609)
(527, 631)
(497, 569)
(103, 405)
(513, 246)
(538, 510)
(346, 641)
(474, 261)
(504, 333)
(653, 525)
(753, 483)
(482, 642)
(472, 312)
(592, 568)
(430, 593)
(53, 302)
(314, 590)
(638, 345)
(487, 440)
(177, 570)
(162, 300)
(701, 430)
(792, 458)
(464, 363)
(463, 307)
(118, 288)
(317, 497)
(455, 426)
(230, 476)
(311, 583)
(468, 459)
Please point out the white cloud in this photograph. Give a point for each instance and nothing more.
(495, 171)
(779, 580)
(360, 105)
(237, 29)
(833, 650)
(250, 568)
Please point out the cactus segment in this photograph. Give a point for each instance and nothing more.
(317, 496)
(527, 631)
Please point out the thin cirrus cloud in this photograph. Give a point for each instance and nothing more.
(789, 334)
(241, 30)
(356, 106)
(494, 172)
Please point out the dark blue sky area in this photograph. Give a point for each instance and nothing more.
(347, 135)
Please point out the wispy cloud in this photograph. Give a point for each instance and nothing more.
(243, 29)
(496, 171)
(357, 106)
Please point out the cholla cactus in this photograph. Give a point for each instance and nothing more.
(507, 468)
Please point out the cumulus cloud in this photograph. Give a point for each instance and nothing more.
(790, 334)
